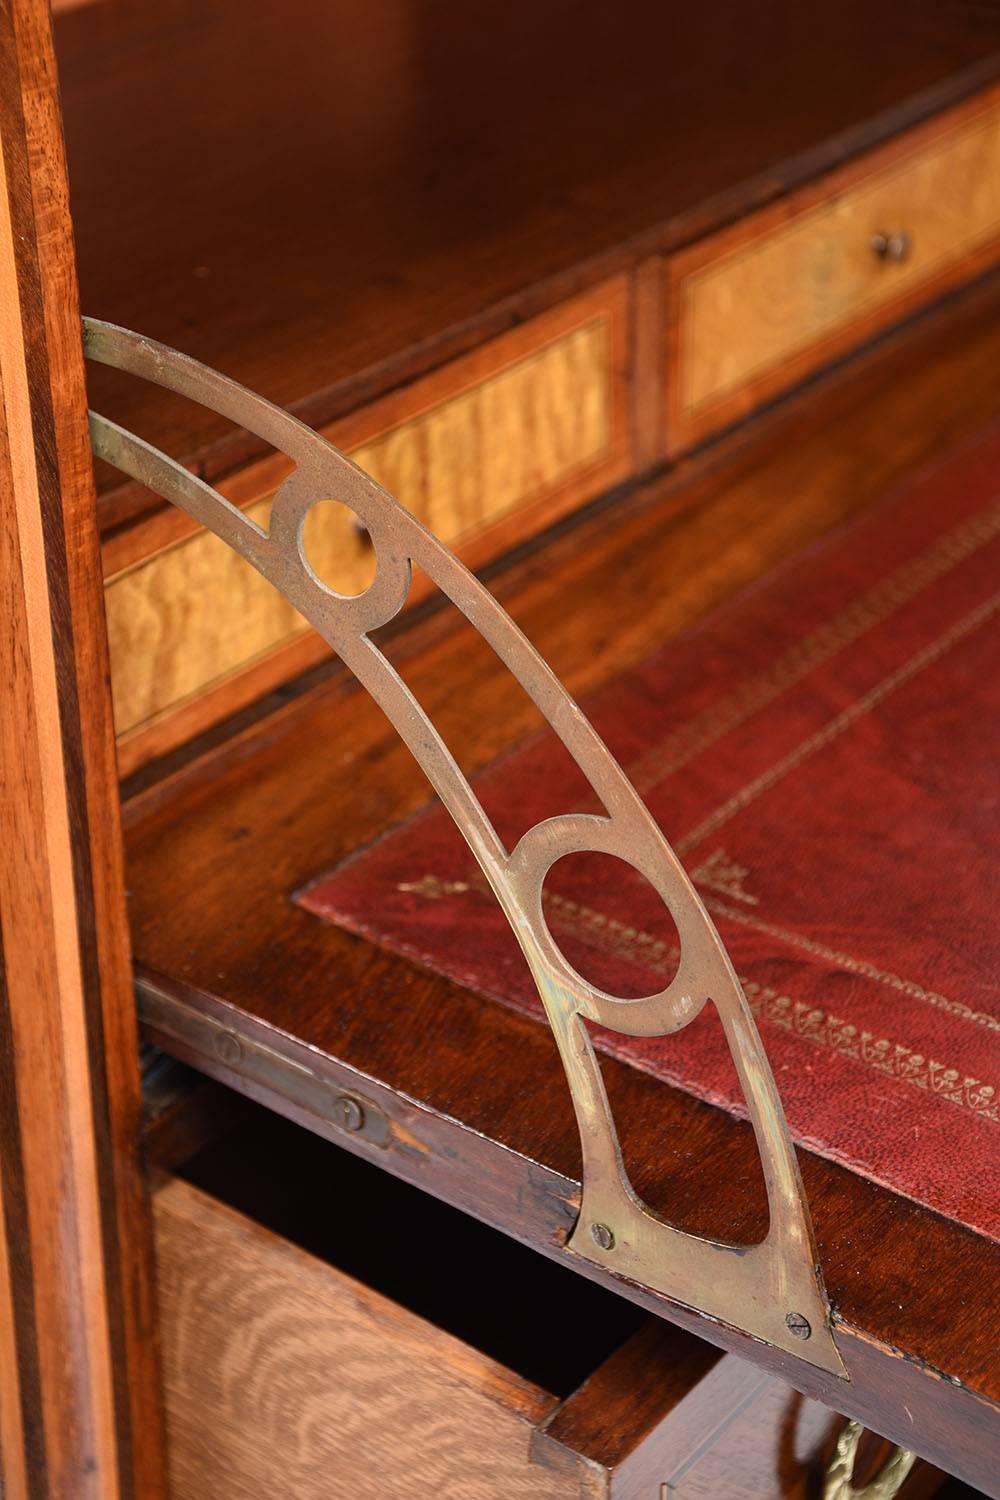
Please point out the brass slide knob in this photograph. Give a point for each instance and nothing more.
(895, 246)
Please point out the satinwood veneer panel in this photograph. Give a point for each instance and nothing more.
(486, 451)
(759, 305)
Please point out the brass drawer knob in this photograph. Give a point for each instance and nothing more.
(892, 247)
(839, 1481)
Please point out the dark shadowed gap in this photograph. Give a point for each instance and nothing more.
(538, 1318)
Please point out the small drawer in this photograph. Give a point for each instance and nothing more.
(757, 306)
(357, 1340)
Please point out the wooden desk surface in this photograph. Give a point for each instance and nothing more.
(480, 1114)
(322, 208)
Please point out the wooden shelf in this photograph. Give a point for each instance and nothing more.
(217, 848)
(322, 208)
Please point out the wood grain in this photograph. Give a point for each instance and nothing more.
(283, 1376)
(368, 205)
(485, 451)
(79, 1404)
(218, 846)
(742, 1434)
(660, 1408)
(756, 307)
(648, 368)
(624, 1417)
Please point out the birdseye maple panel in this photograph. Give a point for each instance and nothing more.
(757, 306)
(484, 451)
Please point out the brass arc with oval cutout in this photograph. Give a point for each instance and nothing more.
(772, 1290)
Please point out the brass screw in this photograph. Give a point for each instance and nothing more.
(351, 1115)
(798, 1326)
(228, 1048)
(601, 1235)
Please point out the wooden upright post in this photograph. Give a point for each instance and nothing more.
(80, 1416)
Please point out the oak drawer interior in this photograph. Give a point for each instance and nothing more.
(330, 1331)
(545, 1323)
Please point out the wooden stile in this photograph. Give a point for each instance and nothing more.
(79, 1402)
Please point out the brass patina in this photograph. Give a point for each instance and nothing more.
(839, 1483)
(772, 1290)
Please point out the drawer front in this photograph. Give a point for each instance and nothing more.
(285, 1377)
(758, 306)
(486, 450)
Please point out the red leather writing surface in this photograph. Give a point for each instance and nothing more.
(822, 753)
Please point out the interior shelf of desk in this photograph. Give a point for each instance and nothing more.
(320, 201)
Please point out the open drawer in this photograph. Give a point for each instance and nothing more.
(288, 1375)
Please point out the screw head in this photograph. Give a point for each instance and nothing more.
(228, 1048)
(602, 1235)
(350, 1114)
(798, 1326)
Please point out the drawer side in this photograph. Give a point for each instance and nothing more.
(285, 1377)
